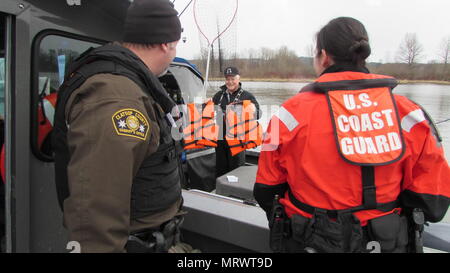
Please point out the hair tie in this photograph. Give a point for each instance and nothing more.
(356, 46)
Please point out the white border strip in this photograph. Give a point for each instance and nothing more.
(287, 118)
(412, 119)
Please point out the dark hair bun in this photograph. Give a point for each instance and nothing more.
(360, 49)
(346, 40)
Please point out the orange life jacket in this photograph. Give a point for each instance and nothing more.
(366, 127)
(201, 130)
(209, 127)
(242, 128)
(364, 131)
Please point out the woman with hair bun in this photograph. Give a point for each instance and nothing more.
(347, 162)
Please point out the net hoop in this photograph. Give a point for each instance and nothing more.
(220, 34)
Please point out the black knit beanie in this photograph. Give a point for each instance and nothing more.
(151, 22)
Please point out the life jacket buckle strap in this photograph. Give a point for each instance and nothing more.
(320, 211)
(369, 193)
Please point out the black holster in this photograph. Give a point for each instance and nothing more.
(390, 231)
(279, 226)
(156, 240)
(317, 234)
(415, 230)
(325, 235)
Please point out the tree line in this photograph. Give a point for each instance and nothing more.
(284, 63)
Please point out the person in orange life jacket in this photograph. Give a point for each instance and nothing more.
(230, 93)
(347, 159)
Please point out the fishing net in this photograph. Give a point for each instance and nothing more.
(216, 21)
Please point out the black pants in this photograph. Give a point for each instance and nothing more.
(225, 162)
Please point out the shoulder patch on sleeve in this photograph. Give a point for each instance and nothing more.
(130, 122)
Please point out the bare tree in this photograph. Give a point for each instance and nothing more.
(410, 49)
(266, 53)
(444, 50)
(310, 50)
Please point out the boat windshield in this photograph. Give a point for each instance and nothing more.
(191, 85)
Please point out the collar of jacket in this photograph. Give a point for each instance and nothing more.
(224, 88)
(123, 56)
(351, 80)
(345, 67)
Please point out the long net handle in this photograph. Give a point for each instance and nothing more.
(205, 83)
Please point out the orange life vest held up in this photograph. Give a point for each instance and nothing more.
(242, 128)
(201, 130)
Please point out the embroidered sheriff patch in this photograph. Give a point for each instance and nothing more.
(130, 122)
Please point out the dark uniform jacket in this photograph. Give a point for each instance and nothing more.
(223, 99)
(112, 129)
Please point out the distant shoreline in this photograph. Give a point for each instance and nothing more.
(423, 81)
(311, 80)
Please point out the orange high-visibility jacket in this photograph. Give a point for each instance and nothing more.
(317, 147)
(243, 130)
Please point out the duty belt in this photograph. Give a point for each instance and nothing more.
(156, 240)
(385, 207)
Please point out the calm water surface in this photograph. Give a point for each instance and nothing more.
(434, 98)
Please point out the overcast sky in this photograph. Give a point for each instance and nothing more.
(294, 23)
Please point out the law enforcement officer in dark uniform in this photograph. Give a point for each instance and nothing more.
(117, 167)
(230, 93)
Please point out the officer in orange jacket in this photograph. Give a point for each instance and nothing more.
(349, 160)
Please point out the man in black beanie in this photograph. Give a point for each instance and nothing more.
(116, 164)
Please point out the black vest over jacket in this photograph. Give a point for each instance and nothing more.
(157, 184)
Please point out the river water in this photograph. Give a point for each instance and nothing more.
(434, 98)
